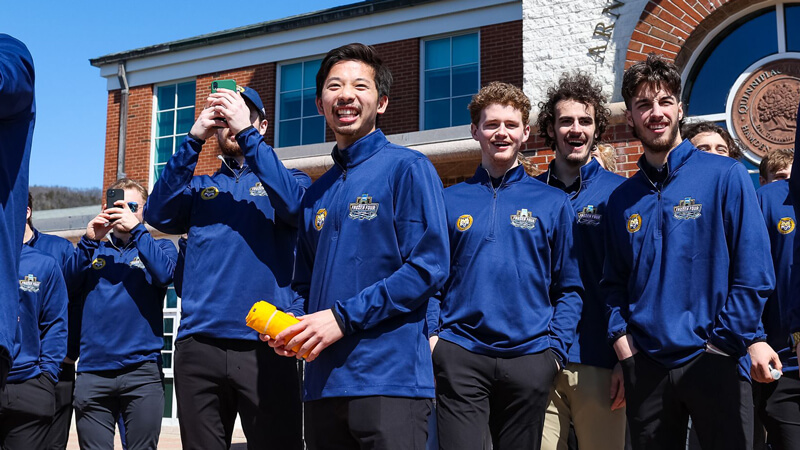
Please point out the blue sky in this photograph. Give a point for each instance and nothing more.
(71, 97)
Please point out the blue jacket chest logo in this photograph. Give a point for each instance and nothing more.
(29, 283)
(137, 263)
(319, 218)
(363, 208)
(786, 225)
(688, 208)
(209, 193)
(464, 222)
(523, 219)
(589, 215)
(98, 263)
(634, 223)
(258, 190)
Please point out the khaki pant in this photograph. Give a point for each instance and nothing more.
(582, 393)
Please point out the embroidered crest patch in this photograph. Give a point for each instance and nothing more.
(786, 225)
(98, 263)
(634, 223)
(363, 208)
(137, 263)
(209, 193)
(589, 216)
(258, 190)
(523, 219)
(29, 283)
(687, 208)
(319, 218)
(464, 222)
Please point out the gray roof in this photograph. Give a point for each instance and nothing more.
(274, 26)
(64, 219)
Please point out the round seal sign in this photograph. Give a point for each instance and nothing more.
(764, 110)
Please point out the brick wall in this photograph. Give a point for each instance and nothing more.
(112, 138)
(402, 115)
(501, 53)
(137, 138)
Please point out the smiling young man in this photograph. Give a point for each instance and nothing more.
(712, 138)
(686, 275)
(586, 394)
(499, 348)
(372, 249)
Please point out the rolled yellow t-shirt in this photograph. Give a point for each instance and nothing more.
(266, 319)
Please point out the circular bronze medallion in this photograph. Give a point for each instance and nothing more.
(764, 110)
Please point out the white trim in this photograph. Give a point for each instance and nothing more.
(277, 117)
(718, 117)
(449, 16)
(781, 19)
(422, 70)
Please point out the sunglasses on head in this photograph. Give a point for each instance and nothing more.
(133, 206)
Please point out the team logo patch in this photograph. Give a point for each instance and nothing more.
(687, 208)
(319, 218)
(363, 208)
(786, 225)
(589, 216)
(137, 263)
(29, 283)
(523, 219)
(258, 190)
(209, 193)
(98, 263)
(634, 223)
(464, 222)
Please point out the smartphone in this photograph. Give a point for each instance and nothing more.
(113, 195)
(223, 84)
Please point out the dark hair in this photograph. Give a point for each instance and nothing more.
(775, 161)
(500, 94)
(30, 205)
(656, 71)
(580, 87)
(690, 130)
(361, 53)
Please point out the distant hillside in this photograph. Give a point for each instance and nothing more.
(57, 197)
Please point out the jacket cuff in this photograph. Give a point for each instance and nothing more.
(86, 242)
(339, 319)
(196, 139)
(242, 132)
(613, 336)
(138, 230)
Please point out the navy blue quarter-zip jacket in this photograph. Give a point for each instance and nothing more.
(17, 117)
(687, 259)
(514, 287)
(794, 192)
(124, 286)
(776, 205)
(373, 248)
(41, 336)
(242, 226)
(589, 201)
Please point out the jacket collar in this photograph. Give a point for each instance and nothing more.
(587, 173)
(360, 150)
(231, 167)
(32, 241)
(676, 158)
(513, 175)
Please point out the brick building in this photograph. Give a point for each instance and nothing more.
(737, 58)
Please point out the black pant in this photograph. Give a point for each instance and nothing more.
(374, 423)
(778, 407)
(137, 393)
(58, 433)
(709, 388)
(510, 394)
(216, 378)
(26, 409)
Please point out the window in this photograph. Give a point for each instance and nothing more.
(299, 123)
(174, 117)
(451, 76)
(171, 320)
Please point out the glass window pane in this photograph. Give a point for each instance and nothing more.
(437, 114)
(310, 69)
(465, 49)
(313, 130)
(437, 53)
(185, 120)
(167, 343)
(747, 43)
(167, 391)
(164, 149)
(792, 17)
(289, 134)
(437, 84)
(186, 94)
(165, 121)
(465, 80)
(172, 298)
(460, 111)
(290, 105)
(166, 97)
(291, 77)
(309, 103)
(169, 323)
(157, 171)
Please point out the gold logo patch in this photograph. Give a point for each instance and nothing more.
(98, 263)
(209, 193)
(634, 223)
(464, 222)
(786, 225)
(319, 219)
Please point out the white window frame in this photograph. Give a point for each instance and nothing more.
(422, 69)
(154, 122)
(278, 101)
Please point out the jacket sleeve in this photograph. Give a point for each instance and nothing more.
(158, 256)
(284, 187)
(177, 277)
(424, 247)
(752, 277)
(794, 193)
(16, 77)
(432, 314)
(168, 207)
(53, 324)
(79, 264)
(616, 274)
(566, 287)
(303, 268)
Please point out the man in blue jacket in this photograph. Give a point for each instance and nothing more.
(17, 116)
(498, 350)
(242, 230)
(372, 249)
(687, 272)
(124, 280)
(586, 394)
(28, 401)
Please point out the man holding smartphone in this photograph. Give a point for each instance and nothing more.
(242, 227)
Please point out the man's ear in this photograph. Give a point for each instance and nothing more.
(383, 102)
(263, 125)
(629, 117)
